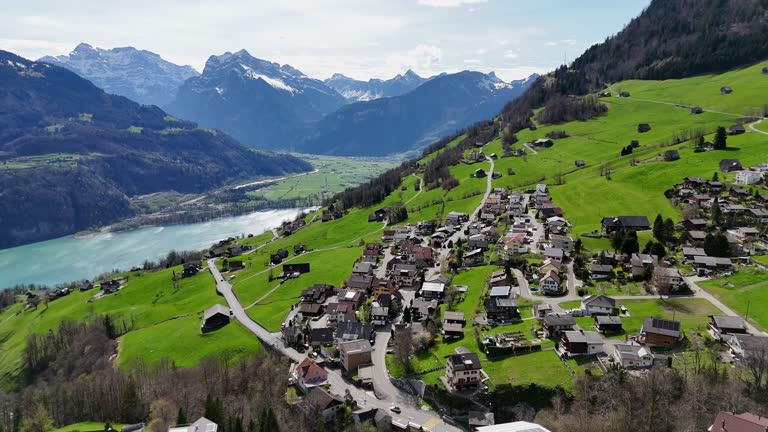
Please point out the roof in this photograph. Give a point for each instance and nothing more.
(215, 310)
(729, 322)
(661, 326)
(631, 352)
(354, 331)
(467, 361)
(600, 268)
(696, 234)
(559, 320)
(355, 346)
(321, 399)
(750, 342)
(362, 267)
(631, 221)
(453, 327)
(608, 320)
(433, 287)
(309, 367)
(201, 425)
(693, 251)
(581, 336)
(320, 335)
(453, 316)
(551, 275)
(500, 291)
(599, 301)
(380, 311)
(712, 261)
(518, 426)
(746, 422)
(553, 252)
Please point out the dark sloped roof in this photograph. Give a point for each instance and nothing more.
(661, 326)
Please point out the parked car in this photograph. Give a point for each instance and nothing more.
(395, 409)
(576, 312)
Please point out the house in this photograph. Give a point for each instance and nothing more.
(477, 241)
(667, 279)
(341, 312)
(757, 215)
(707, 264)
(379, 215)
(580, 163)
(500, 291)
(499, 278)
(598, 305)
(624, 94)
(671, 155)
(308, 375)
(743, 345)
(464, 371)
(296, 268)
(555, 323)
(456, 218)
(739, 193)
(625, 224)
(581, 342)
(550, 282)
(422, 309)
(328, 406)
(290, 335)
(732, 422)
(600, 271)
(697, 110)
(690, 253)
(631, 356)
(696, 235)
(215, 317)
(321, 337)
(379, 315)
(608, 324)
(351, 296)
(354, 353)
(726, 90)
(454, 318)
(501, 309)
(474, 257)
(362, 268)
(480, 173)
(233, 265)
(641, 262)
(191, 268)
(548, 265)
(730, 165)
(564, 243)
(202, 424)
(643, 127)
(660, 332)
(736, 129)
(310, 310)
(721, 325)
(543, 142)
(349, 331)
(299, 249)
(404, 274)
(554, 254)
(432, 290)
(695, 224)
(110, 286)
(317, 293)
(541, 310)
(744, 233)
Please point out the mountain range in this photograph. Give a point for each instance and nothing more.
(140, 75)
(71, 154)
(360, 91)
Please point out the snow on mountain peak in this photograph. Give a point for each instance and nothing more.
(277, 83)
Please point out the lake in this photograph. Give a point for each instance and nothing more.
(74, 258)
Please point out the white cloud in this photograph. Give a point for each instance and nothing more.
(481, 51)
(449, 3)
(423, 58)
(561, 42)
(472, 61)
(511, 54)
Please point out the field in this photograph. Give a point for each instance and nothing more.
(746, 292)
(86, 427)
(543, 368)
(692, 313)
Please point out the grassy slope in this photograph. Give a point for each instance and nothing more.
(746, 289)
(86, 427)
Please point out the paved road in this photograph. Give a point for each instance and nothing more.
(754, 129)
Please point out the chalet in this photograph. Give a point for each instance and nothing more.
(564, 243)
(625, 224)
(317, 293)
(299, 249)
(422, 309)
(600, 271)
(291, 335)
(696, 235)
(632, 356)
(311, 310)
(580, 342)
(668, 279)
(643, 127)
(379, 315)
(549, 265)
(350, 331)
(385, 286)
(714, 186)
(439, 239)
(480, 173)
(379, 215)
(608, 324)
(499, 278)
(624, 94)
(233, 265)
(477, 241)
(341, 312)
(388, 235)
(215, 317)
(474, 257)
(555, 254)
(701, 200)
(748, 177)
(706, 264)
(362, 268)
(726, 90)
(607, 257)
(543, 142)
(549, 210)
(721, 325)
(541, 310)
(640, 263)
(660, 332)
(361, 282)
(432, 290)
(110, 286)
(739, 193)
(580, 163)
(464, 371)
(555, 323)
(321, 337)
(693, 182)
(550, 282)
(454, 318)
(732, 422)
(690, 253)
(695, 224)
(671, 155)
(744, 233)
(308, 375)
(191, 268)
(730, 165)
(278, 256)
(743, 346)
(404, 274)
(329, 406)
(354, 353)
(598, 305)
(351, 296)
(456, 218)
(500, 291)
(501, 309)
(757, 215)
(426, 228)
(697, 110)
(300, 268)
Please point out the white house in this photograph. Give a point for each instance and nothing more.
(432, 290)
(748, 177)
(632, 356)
(550, 282)
(598, 305)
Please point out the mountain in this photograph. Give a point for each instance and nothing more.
(258, 102)
(358, 91)
(139, 75)
(407, 122)
(71, 154)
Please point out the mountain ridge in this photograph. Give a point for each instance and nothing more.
(375, 88)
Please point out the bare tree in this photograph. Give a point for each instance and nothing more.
(404, 348)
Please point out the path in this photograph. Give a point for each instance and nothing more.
(678, 105)
(530, 148)
(421, 188)
(754, 129)
(428, 420)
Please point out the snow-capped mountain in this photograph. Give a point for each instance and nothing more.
(440, 106)
(136, 74)
(257, 101)
(356, 90)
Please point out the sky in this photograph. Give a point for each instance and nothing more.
(360, 38)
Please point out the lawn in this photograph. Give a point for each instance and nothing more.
(87, 427)
(476, 279)
(693, 313)
(543, 368)
(746, 292)
(181, 341)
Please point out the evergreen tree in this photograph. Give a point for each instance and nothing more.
(716, 214)
(268, 421)
(214, 409)
(721, 138)
(714, 176)
(407, 315)
(669, 230)
(578, 245)
(181, 417)
(658, 228)
(630, 244)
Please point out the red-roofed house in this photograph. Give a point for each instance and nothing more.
(309, 374)
(732, 422)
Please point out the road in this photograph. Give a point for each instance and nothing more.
(754, 129)
(427, 420)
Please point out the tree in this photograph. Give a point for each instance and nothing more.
(716, 214)
(181, 417)
(721, 138)
(39, 421)
(577, 246)
(161, 414)
(714, 176)
(407, 315)
(669, 230)
(658, 228)
(630, 244)
(717, 245)
(617, 239)
(214, 409)
(403, 348)
(268, 421)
